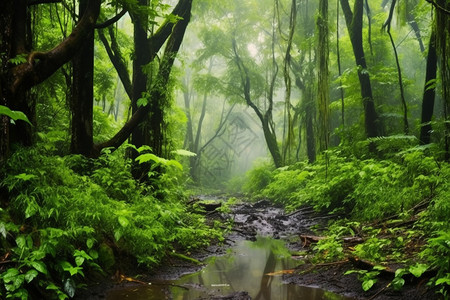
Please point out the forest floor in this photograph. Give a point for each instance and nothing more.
(263, 219)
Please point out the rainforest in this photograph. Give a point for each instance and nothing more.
(285, 149)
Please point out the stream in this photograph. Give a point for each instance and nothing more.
(251, 268)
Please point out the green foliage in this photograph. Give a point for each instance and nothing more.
(14, 115)
(258, 178)
(69, 215)
(437, 253)
(329, 249)
(363, 189)
(367, 278)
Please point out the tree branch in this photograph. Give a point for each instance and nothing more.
(157, 40)
(437, 6)
(172, 47)
(117, 59)
(245, 81)
(42, 65)
(112, 20)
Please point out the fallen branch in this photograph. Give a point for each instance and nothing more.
(380, 291)
(187, 258)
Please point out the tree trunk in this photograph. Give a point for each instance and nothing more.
(429, 92)
(82, 100)
(323, 82)
(354, 26)
(309, 120)
(140, 135)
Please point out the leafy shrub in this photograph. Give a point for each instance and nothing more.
(64, 211)
(258, 178)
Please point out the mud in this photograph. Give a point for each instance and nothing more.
(263, 219)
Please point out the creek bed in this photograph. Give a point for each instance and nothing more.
(249, 270)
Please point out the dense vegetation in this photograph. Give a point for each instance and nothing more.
(111, 110)
(398, 205)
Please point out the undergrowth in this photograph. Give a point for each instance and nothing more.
(397, 202)
(71, 216)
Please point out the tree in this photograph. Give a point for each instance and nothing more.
(172, 30)
(82, 98)
(22, 68)
(323, 82)
(429, 92)
(264, 116)
(387, 27)
(354, 21)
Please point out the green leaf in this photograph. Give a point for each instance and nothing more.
(10, 274)
(25, 177)
(13, 279)
(21, 294)
(142, 102)
(351, 272)
(117, 234)
(90, 243)
(123, 221)
(367, 284)
(32, 209)
(79, 260)
(21, 241)
(183, 152)
(418, 269)
(15, 115)
(18, 59)
(397, 283)
(380, 268)
(93, 253)
(148, 157)
(52, 286)
(30, 275)
(175, 164)
(445, 280)
(40, 266)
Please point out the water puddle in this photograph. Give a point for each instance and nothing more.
(243, 268)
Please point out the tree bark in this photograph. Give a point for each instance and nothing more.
(82, 98)
(429, 92)
(354, 26)
(323, 82)
(140, 135)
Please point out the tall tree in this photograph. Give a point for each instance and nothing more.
(442, 49)
(265, 117)
(429, 92)
(22, 68)
(82, 98)
(354, 21)
(322, 72)
(387, 27)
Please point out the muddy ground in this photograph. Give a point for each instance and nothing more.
(262, 218)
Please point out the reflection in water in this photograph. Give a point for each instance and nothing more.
(242, 269)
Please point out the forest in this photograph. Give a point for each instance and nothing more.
(115, 116)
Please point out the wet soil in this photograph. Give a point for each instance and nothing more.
(263, 219)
